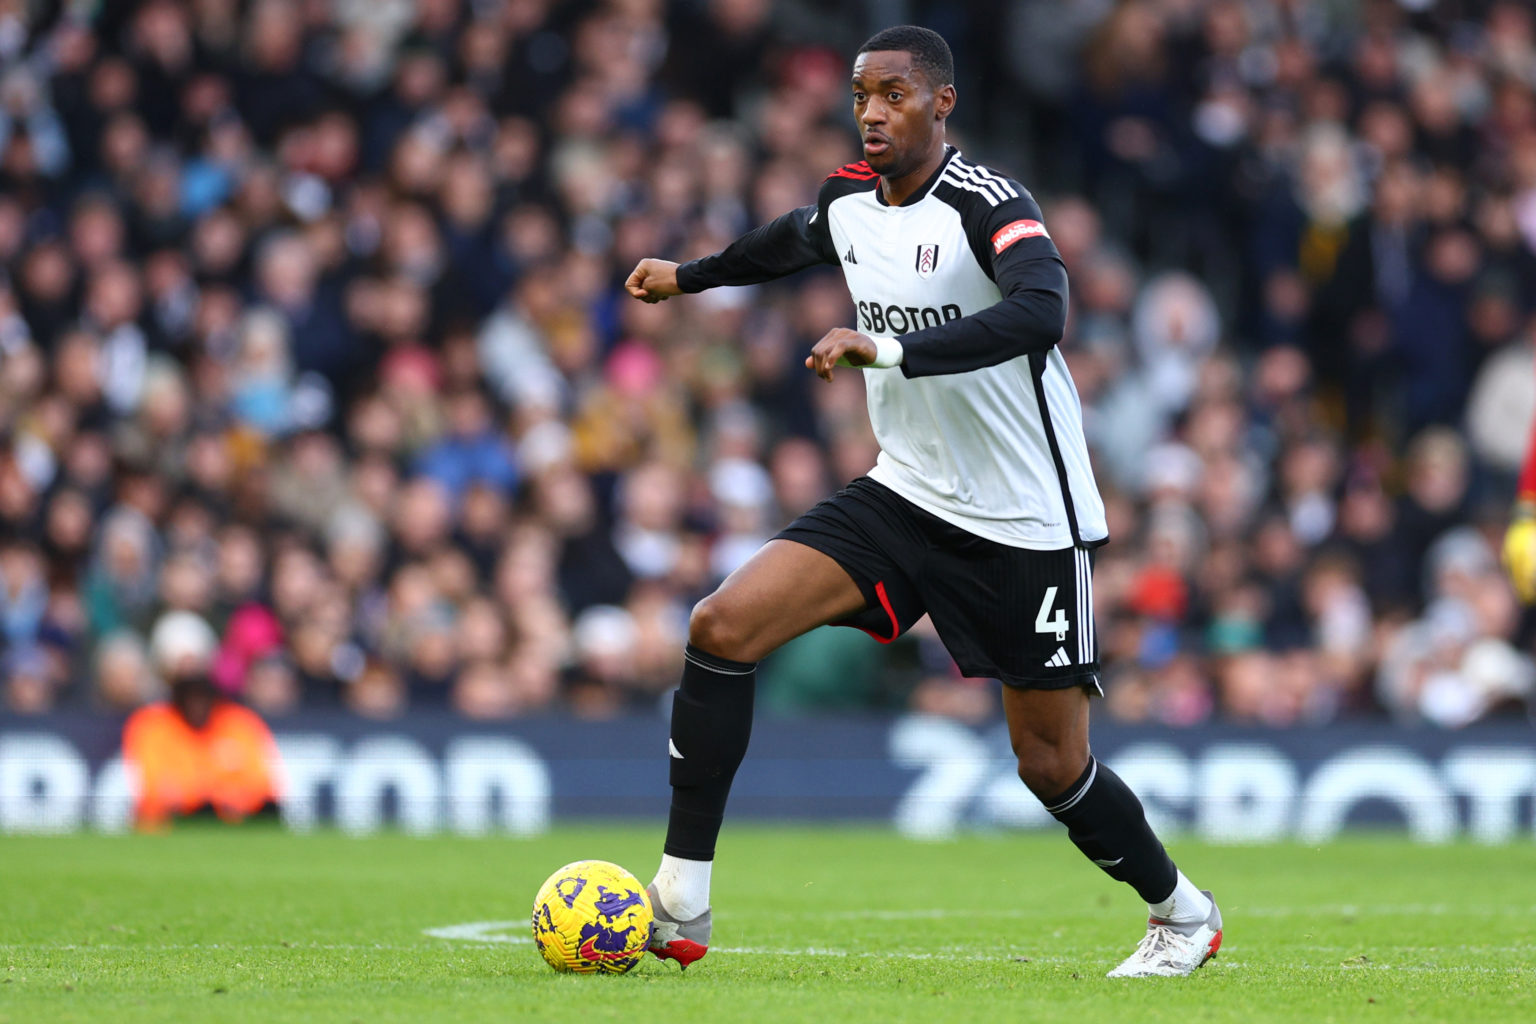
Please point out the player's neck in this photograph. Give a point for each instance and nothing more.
(896, 191)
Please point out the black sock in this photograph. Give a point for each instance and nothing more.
(711, 724)
(1106, 821)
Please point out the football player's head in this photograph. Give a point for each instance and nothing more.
(903, 89)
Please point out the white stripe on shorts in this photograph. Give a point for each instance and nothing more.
(1088, 617)
(1077, 574)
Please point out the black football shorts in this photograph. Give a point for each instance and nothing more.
(1015, 614)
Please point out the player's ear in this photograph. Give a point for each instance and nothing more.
(944, 102)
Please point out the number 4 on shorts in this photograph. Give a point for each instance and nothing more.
(1046, 623)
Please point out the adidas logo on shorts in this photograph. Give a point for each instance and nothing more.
(1059, 659)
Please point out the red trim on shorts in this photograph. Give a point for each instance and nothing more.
(885, 602)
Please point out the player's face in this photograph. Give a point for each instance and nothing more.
(897, 111)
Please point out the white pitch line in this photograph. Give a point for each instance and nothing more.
(492, 933)
(482, 931)
(495, 932)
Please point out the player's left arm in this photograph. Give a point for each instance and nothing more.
(1030, 316)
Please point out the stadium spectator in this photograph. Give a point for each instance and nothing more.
(124, 679)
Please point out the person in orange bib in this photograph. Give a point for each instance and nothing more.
(198, 752)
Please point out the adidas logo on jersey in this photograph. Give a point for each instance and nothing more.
(1059, 659)
(850, 257)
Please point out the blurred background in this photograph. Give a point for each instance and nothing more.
(311, 327)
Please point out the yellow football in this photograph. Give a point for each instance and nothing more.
(592, 917)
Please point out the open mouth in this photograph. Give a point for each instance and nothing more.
(874, 144)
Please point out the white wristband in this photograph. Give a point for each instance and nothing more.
(888, 353)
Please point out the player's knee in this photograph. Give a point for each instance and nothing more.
(1049, 769)
(717, 628)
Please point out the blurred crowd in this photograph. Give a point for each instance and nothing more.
(311, 327)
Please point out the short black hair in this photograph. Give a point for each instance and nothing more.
(930, 53)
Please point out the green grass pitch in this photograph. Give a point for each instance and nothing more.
(843, 925)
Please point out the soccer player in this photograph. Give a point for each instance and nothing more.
(981, 510)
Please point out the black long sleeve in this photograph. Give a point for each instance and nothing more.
(795, 241)
(1030, 317)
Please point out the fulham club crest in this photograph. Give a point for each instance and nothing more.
(927, 260)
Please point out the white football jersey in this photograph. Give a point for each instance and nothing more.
(981, 424)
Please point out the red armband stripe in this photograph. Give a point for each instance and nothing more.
(1010, 233)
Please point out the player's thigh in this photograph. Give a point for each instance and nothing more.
(865, 531)
(783, 590)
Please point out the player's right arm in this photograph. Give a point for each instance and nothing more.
(653, 281)
(797, 240)
(1520, 536)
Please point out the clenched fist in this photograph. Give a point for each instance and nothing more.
(653, 281)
